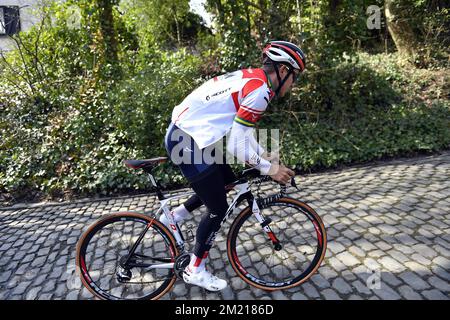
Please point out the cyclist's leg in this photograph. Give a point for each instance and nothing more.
(194, 202)
(210, 189)
(228, 174)
(208, 182)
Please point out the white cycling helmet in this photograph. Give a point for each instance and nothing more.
(286, 53)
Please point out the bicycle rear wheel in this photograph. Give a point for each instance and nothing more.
(108, 270)
(257, 261)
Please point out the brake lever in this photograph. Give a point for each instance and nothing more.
(294, 184)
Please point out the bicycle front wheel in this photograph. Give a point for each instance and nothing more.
(127, 256)
(302, 244)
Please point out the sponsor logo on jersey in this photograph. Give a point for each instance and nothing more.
(208, 97)
(255, 159)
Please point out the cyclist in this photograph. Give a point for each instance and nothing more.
(227, 105)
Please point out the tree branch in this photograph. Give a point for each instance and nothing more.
(27, 71)
(10, 67)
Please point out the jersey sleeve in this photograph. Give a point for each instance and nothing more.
(241, 143)
(255, 98)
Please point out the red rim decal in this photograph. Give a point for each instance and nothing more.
(84, 270)
(272, 237)
(318, 232)
(238, 263)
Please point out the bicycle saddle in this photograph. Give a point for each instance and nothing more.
(145, 163)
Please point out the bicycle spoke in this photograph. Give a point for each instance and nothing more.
(120, 238)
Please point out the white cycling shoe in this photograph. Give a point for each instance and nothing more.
(205, 280)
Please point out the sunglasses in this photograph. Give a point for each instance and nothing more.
(295, 74)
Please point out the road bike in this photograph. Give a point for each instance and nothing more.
(275, 242)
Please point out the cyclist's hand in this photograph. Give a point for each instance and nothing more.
(280, 173)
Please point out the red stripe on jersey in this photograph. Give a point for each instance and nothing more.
(247, 73)
(254, 73)
(181, 114)
(251, 109)
(271, 94)
(235, 95)
(215, 79)
(251, 86)
(248, 116)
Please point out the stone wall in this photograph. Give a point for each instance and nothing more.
(29, 16)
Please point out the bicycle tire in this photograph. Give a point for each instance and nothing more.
(87, 236)
(247, 273)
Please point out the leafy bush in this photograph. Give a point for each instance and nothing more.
(75, 141)
(363, 109)
(401, 130)
(66, 126)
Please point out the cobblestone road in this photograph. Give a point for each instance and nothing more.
(388, 238)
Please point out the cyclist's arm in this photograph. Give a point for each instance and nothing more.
(255, 145)
(270, 156)
(241, 143)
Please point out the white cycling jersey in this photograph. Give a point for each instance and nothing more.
(231, 102)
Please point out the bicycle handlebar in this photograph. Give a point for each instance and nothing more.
(254, 175)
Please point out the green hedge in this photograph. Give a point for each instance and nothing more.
(69, 141)
(401, 130)
(365, 108)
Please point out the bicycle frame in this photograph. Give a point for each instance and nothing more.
(243, 193)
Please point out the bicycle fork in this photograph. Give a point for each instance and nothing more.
(264, 223)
